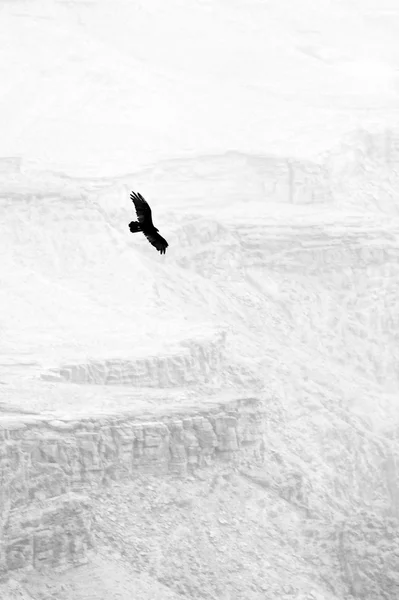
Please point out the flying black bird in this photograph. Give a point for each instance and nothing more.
(145, 224)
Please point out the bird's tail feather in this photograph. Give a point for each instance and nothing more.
(134, 226)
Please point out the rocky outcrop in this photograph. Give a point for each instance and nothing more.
(48, 469)
(196, 361)
(50, 533)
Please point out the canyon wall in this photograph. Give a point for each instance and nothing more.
(48, 469)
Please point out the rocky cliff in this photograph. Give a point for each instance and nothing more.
(49, 468)
(195, 361)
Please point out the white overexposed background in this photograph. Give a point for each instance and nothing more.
(102, 88)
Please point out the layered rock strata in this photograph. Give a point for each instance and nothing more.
(48, 469)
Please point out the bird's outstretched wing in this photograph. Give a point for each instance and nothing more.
(145, 223)
(143, 209)
(157, 241)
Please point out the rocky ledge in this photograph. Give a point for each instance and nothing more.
(48, 469)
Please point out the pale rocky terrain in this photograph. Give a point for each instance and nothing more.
(256, 456)
(220, 422)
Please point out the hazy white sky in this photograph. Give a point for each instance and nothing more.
(98, 87)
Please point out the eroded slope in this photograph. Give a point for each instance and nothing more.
(301, 290)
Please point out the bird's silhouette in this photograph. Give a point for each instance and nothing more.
(145, 224)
